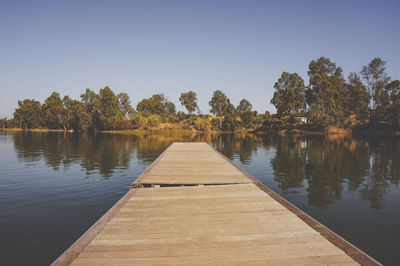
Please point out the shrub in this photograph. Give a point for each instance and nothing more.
(153, 121)
(202, 124)
(139, 120)
(123, 124)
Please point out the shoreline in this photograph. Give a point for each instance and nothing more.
(282, 132)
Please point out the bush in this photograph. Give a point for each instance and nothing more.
(142, 122)
(171, 119)
(202, 124)
(123, 124)
(139, 120)
(153, 121)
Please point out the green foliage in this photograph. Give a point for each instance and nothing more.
(139, 120)
(219, 103)
(180, 116)
(53, 111)
(125, 104)
(216, 123)
(289, 95)
(156, 104)
(28, 114)
(76, 115)
(90, 101)
(171, 119)
(267, 119)
(123, 124)
(153, 121)
(109, 109)
(189, 100)
(393, 90)
(221, 106)
(245, 113)
(357, 97)
(146, 122)
(243, 107)
(377, 79)
(327, 101)
(229, 123)
(326, 94)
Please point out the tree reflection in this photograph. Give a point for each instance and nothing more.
(325, 166)
(331, 165)
(241, 145)
(383, 171)
(289, 164)
(102, 153)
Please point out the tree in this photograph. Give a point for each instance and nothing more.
(110, 111)
(189, 100)
(289, 95)
(243, 107)
(91, 103)
(376, 78)
(29, 114)
(156, 104)
(125, 104)
(169, 108)
(267, 119)
(229, 122)
(326, 93)
(244, 111)
(3, 122)
(357, 97)
(393, 89)
(53, 111)
(76, 115)
(221, 106)
(219, 103)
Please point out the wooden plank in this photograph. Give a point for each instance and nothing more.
(192, 163)
(220, 228)
(232, 220)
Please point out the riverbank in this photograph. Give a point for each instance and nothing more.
(261, 131)
(34, 130)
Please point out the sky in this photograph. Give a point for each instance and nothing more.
(169, 47)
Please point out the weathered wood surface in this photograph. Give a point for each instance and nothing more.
(192, 163)
(232, 223)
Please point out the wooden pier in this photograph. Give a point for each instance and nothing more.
(194, 206)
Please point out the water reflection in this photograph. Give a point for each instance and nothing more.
(244, 146)
(100, 153)
(331, 166)
(350, 184)
(326, 167)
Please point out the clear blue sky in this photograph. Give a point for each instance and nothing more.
(146, 47)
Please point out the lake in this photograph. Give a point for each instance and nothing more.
(54, 186)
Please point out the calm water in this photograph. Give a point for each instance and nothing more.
(53, 187)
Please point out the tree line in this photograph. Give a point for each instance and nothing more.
(107, 110)
(370, 98)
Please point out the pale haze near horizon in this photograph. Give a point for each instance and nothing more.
(169, 47)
